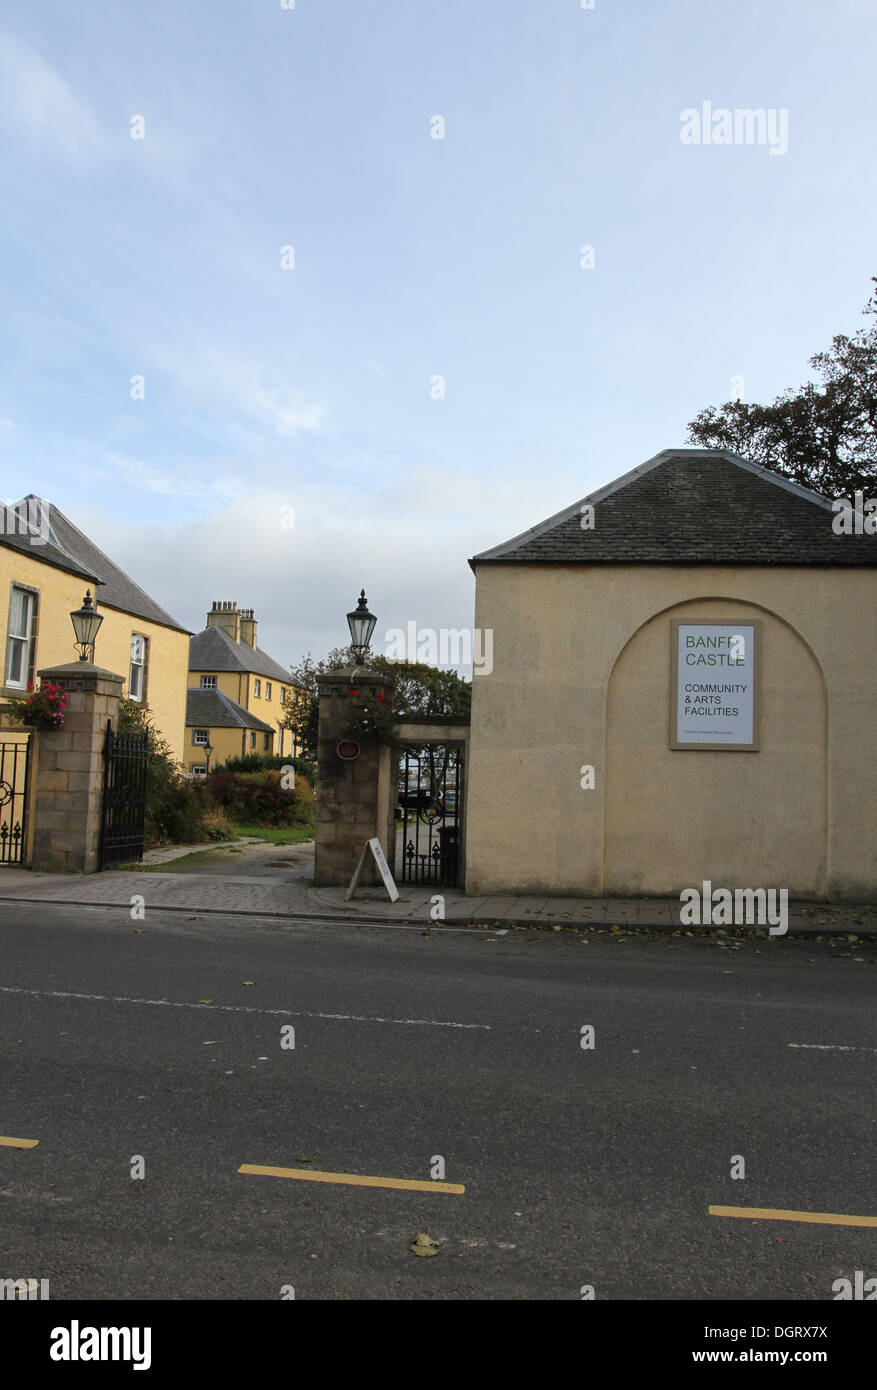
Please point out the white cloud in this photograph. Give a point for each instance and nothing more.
(145, 477)
(230, 381)
(36, 100)
(407, 543)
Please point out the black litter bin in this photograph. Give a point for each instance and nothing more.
(448, 853)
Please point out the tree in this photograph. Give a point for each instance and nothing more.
(821, 436)
(419, 689)
(174, 808)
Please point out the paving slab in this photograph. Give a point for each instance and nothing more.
(297, 898)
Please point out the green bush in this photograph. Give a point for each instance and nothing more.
(268, 762)
(175, 807)
(259, 798)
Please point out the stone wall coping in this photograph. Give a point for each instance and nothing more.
(82, 670)
(349, 674)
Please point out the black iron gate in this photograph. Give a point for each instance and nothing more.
(14, 765)
(124, 805)
(429, 804)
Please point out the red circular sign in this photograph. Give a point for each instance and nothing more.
(348, 748)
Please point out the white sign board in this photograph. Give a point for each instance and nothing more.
(374, 846)
(715, 691)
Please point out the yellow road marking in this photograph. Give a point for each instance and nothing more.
(815, 1218)
(352, 1179)
(17, 1143)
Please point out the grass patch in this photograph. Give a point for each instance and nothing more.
(278, 834)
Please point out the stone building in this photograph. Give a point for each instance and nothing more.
(684, 688)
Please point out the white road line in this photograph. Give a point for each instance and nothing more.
(240, 1009)
(831, 1047)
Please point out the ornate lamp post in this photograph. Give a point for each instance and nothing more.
(208, 749)
(362, 624)
(86, 623)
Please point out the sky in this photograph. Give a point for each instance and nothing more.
(298, 298)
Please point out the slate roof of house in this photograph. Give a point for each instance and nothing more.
(692, 507)
(214, 650)
(68, 548)
(16, 532)
(210, 709)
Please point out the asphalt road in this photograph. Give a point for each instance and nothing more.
(581, 1167)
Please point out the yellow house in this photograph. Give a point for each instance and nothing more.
(46, 565)
(249, 690)
(218, 728)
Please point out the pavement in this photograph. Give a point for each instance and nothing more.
(277, 881)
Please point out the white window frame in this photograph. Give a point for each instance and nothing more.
(267, 690)
(252, 742)
(200, 742)
(139, 645)
(257, 689)
(15, 641)
(208, 682)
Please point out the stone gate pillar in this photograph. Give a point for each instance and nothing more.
(356, 796)
(69, 770)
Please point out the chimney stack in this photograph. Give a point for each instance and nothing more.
(248, 627)
(225, 615)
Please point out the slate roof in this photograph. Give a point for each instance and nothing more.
(214, 650)
(692, 507)
(15, 519)
(211, 709)
(68, 548)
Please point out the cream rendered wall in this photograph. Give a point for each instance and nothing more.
(168, 660)
(582, 675)
(59, 593)
(226, 743)
(239, 686)
(231, 683)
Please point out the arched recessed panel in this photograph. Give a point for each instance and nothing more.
(740, 819)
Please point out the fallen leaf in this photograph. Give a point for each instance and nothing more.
(249, 982)
(423, 1244)
(211, 1043)
(139, 931)
(205, 1001)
